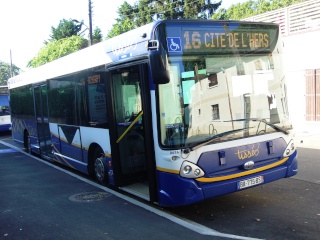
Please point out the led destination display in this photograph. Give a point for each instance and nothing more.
(221, 39)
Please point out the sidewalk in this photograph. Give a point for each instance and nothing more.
(308, 139)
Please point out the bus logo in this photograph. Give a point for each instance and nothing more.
(248, 153)
(174, 44)
(248, 165)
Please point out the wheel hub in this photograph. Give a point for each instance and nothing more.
(99, 169)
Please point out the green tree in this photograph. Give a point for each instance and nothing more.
(117, 28)
(186, 9)
(65, 39)
(57, 49)
(65, 29)
(5, 72)
(146, 11)
(97, 35)
(242, 10)
(124, 22)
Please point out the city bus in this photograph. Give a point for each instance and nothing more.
(173, 112)
(5, 118)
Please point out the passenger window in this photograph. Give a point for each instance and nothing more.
(97, 101)
(61, 100)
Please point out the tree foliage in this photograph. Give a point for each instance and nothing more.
(65, 29)
(65, 39)
(146, 11)
(5, 72)
(97, 35)
(250, 8)
(117, 28)
(57, 49)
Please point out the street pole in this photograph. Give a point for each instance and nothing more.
(90, 23)
(11, 73)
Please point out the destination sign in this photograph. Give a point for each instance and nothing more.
(220, 39)
(199, 39)
(94, 79)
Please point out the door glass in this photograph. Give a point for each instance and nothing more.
(129, 120)
(44, 102)
(40, 94)
(38, 103)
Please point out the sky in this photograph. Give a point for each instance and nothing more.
(26, 24)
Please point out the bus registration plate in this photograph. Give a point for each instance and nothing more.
(250, 182)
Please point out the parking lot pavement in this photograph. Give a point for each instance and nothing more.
(40, 201)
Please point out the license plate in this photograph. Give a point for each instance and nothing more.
(250, 182)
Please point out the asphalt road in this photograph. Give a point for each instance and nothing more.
(41, 205)
(41, 201)
(285, 209)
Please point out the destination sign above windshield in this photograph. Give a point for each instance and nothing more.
(198, 39)
(219, 39)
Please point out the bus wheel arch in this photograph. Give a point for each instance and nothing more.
(97, 167)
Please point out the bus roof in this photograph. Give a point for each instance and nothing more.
(126, 45)
(119, 48)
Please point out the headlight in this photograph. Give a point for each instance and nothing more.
(191, 170)
(291, 148)
(187, 169)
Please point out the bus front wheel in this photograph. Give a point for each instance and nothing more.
(100, 168)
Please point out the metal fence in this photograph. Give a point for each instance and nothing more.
(297, 18)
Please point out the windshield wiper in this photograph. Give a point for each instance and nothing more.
(278, 129)
(211, 139)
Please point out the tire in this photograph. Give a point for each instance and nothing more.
(99, 166)
(26, 142)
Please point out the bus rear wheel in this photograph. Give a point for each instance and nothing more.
(99, 166)
(26, 142)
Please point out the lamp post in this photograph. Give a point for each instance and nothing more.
(11, 72)
(90, 23)
(87, 28)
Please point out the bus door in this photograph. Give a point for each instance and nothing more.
(41, 107)
(133, 154)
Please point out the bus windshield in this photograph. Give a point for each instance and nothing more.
(217, 98)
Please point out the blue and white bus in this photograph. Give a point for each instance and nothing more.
(5, 119)
(175, 112)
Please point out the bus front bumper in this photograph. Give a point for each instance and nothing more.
(177, 191)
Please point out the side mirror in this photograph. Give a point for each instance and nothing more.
(159, 66)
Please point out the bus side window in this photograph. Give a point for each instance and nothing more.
(4, 111)
(61, 100)
(97, 102)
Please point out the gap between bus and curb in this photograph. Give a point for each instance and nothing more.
(193, 226)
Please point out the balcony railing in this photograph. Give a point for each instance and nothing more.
(297, 18)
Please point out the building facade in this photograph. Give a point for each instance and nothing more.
(300, 29)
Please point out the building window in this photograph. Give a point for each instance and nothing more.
(215, 112)
(213, 80)
(313, 95)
